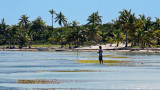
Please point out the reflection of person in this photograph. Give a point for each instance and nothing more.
(100, 55)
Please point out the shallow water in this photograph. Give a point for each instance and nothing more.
(60, 70)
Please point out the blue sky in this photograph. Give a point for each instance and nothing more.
(78, 10)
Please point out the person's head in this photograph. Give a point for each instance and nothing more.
(100, 47)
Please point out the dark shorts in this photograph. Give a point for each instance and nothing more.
(100, 58)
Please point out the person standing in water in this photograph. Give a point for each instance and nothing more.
(100, 55)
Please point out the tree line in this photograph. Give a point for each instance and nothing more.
(127, 28)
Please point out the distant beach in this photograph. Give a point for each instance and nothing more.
(106, 48)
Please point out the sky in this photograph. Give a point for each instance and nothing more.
(78, 10)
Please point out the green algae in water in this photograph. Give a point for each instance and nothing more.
(110, 56)
(75, 71)
(37, 81)
(118, 57)
(104, 61)
(103, 56)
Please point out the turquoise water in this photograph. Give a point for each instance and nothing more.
(63, 69)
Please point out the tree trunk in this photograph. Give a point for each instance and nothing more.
(126, 40)
(52, 22)
(69, 45)
(61, 38)
(158, 42)
(117, 43)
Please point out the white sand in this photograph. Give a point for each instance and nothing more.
(107, 46)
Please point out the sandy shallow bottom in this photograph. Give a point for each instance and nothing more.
(72, 70)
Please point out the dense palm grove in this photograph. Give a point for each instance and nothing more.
(127, 28)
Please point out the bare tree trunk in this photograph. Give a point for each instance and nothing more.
(61, 38)
(126, 39)
(158, 41)
(117, 43)
(52, 22)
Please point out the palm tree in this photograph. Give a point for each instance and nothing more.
(75, 35)
(24, 21)
(93, 21)
(71, 27)
(127, 21)
(132, 28)
(52, 12)
(4, 31)
(60, 18)
(3, 26)
(17, 36)
(78, 36)
(74, 24)
(37, 28)
(147, 30)
(118, 36)
(8, 34)
(94, 18)
(157, 30)
(24, 25)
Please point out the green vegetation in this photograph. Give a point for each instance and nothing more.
(127, 28)
(38, 81)
(107, 56)
(110, 56)
(74, 71)
(118, 57)
(104, 61)
(45, 45)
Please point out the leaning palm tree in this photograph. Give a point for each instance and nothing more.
(52, 12)
(61, 20)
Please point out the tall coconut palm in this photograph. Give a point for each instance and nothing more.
(132, 28)
(60, 18)
(24, 21)
(52, 12)
(24, 25)
(93, 21)
(127, 20)
(94, 18)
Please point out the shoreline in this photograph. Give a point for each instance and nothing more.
(93, 48)
(156, 50)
